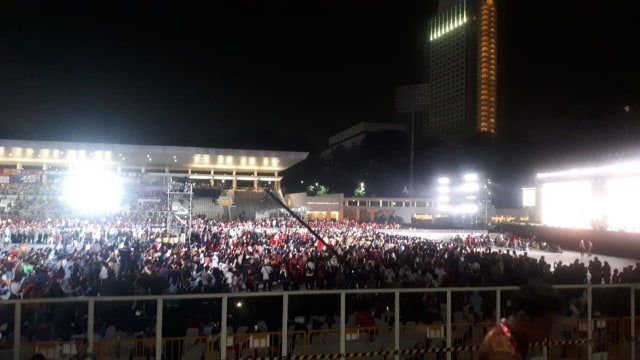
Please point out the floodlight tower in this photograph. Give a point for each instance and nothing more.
(179, 205)
(487, 202)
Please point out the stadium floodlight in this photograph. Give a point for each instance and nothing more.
(443, 189)
(470, 177)
(567, 204)
(468, 208)
(443, 198)
(92, 188)
(443, 181)
(623, 199)
(624, 168)
(528, 197)
(471, 187)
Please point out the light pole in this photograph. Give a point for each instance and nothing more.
(486, 207)
(486, 203)
(412, 154)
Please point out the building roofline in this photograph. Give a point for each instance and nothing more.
(151, 156)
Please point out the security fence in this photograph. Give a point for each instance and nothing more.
(425, 323)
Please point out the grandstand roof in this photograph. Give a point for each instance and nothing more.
(58, 153)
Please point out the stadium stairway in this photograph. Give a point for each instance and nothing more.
(279, 195)
(248, 203)
(207, 207)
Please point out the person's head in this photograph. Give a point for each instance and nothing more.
(535, 308)
(38, 356)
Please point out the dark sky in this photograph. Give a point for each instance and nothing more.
(237, 72)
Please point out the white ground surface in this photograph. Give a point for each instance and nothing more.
(566, 256)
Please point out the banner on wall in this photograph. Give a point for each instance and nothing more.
(32, 172)
(26, 179)
(20, 179)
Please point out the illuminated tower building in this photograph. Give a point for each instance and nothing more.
(463, 69)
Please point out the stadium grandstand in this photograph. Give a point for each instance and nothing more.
(53, 179)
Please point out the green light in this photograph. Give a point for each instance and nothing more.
(448, 21)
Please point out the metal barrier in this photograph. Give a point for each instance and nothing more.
(570, 337)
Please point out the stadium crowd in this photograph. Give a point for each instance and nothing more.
(115, 257)
(120, 258)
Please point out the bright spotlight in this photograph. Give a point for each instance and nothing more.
(443, 198)
(443, 181)
(444, 207)
(471, 187)
(239, 304)
(471, 177)
(443, 189)
(528, 197)
(91, 188)
(468, 208)
(623, 199)
(567, 204)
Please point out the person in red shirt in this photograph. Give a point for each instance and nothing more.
(364, 319)
(536, 307)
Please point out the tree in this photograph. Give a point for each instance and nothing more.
(360, 191)
(322, 190)
(317, 190)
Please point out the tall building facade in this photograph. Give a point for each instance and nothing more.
(463, 69)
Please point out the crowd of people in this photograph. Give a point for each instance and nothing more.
(115, 256)
(87, 258)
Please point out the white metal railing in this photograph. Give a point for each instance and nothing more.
(226, 297)
(427, 232)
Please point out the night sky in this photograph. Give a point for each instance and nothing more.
(282, 73)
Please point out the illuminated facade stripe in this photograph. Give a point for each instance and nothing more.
(448, 21)
(487, 77)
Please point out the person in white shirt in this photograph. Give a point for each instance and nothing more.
(267, 278)
(441, 273)
(310, 274)
(104, 272)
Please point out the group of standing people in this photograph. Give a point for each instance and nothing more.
(587, 247)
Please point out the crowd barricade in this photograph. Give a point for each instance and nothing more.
(253, 344)
(322, 341)
(592, 337)
(363, 339)
(50, 349)
(566, 342)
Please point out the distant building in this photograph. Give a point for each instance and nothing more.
(459, 96)
(422, 212)
(322, 207)
(463, 79)
(356, 134)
